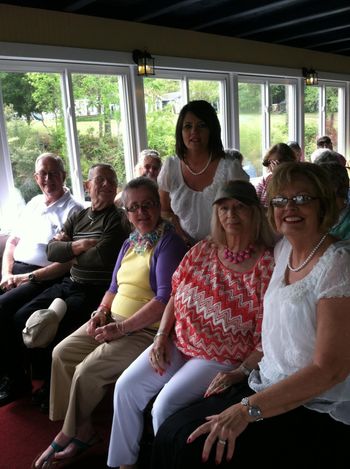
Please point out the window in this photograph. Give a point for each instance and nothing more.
(251, 123)
(82, 113)
(99, 121)
(164, 99)
(163, 102)
(267, 115)
(90, 106)
(324, 115)
(34, 124)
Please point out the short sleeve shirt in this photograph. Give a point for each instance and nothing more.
(218, 311)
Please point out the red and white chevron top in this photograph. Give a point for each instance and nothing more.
(218, 311)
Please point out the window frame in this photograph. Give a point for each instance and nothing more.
(17, 57)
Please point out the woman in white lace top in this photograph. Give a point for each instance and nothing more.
(301, 391)
(188, 181)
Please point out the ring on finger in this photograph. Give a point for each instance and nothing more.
(222, 442)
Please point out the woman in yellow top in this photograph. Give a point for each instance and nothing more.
(122, 327)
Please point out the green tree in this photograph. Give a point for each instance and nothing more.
(311, 99)
(205, 89)
(101, 93)
(46, 92)
(161, 117)
(249, 98)
(17, 91)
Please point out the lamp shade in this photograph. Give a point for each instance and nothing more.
(144, 62)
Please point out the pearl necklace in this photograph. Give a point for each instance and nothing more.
(239, 256)
(309, 257)
(194, 173)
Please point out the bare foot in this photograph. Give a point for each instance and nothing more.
(59, 443)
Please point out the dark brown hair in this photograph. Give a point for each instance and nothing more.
(204, 111)
(282, 150)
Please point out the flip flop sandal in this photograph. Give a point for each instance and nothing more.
(82, 447)
(48, 461)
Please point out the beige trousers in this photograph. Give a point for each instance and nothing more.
(82, 369)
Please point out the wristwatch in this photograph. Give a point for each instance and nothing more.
(32, 278)
(253, 411)
(246, 371)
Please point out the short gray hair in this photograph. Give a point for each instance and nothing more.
(53, 156)
(151, 153)
(138, 182)
(101, 165)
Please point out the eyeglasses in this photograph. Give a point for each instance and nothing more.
(49, 174)
(101, 180)
(145, 206)
(301, 199)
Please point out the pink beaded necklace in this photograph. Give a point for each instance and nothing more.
(239, 256)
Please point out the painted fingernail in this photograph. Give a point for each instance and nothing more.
(189, 440)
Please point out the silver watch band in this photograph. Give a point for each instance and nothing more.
(246, 371)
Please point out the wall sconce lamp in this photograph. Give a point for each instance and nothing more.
(310, 76)
(144, 62)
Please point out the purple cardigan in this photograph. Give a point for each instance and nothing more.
(166, 257)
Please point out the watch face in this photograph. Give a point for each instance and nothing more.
(254, 412)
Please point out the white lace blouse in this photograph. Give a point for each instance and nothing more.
(289, 323)
(194, 207)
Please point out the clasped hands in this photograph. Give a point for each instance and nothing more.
(98, 328)
(11, 281)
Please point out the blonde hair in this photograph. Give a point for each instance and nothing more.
(319, 183)
(262, 232)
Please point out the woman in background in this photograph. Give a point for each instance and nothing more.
(149, 164)
(277, 154)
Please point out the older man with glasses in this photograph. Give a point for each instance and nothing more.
(26, 271)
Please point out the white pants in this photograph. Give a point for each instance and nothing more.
(184, 381)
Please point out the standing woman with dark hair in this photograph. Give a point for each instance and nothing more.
(188, 181)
